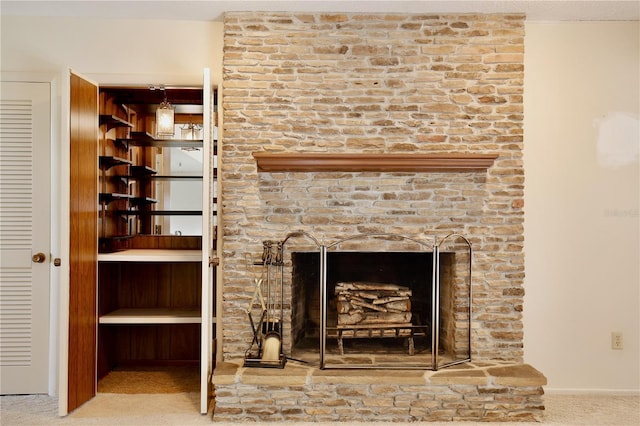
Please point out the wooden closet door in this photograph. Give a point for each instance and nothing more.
(83, 241)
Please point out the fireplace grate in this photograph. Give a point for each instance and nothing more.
(376, 331)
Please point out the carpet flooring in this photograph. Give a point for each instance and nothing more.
(183, 409)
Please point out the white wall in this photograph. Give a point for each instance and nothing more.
(581, 213)
(114, 51)
(581, 218)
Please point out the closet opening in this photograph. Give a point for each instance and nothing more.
(150, 226)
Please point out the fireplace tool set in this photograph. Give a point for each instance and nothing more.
(266, 345)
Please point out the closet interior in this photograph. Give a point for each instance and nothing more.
(150, 227)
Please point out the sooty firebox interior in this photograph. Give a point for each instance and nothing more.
(380, 295)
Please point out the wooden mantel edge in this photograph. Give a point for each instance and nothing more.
(356, 162)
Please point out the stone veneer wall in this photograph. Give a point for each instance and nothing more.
(369, 83)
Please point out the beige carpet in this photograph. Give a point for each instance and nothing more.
(133, 380)
(183, 409)
(106, 409)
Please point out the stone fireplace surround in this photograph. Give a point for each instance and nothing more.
(380, 85)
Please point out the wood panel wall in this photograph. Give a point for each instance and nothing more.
(149, 285)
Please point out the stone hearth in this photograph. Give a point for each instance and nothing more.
(477, 391)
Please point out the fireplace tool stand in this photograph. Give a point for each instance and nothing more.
(266, 346)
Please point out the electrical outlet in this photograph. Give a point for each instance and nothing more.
(616, 340)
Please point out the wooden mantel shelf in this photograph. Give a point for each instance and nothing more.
(352, 162)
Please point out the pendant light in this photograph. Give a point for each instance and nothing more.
(165, 118)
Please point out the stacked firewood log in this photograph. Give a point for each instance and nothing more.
(379, 308)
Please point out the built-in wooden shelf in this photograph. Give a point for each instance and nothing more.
(142, 171)
(109, 197)
(151, 316)
(170, 178)
(111, 122)
(138, 201)
(352, 162)
(106, 162)
(146, 139)
(152, 255)
(160, 212)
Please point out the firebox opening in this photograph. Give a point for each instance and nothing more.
(400, 328)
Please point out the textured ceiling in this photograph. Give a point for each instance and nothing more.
(582, 10)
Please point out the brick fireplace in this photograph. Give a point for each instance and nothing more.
(411, 86)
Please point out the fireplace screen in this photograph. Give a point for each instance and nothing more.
(378, 301)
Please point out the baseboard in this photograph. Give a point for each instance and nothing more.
(584, 392)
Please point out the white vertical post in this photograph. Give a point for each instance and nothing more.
(206, 336)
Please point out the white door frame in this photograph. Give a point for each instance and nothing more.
(206, 332)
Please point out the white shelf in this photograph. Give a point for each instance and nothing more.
(151, 316)
(151, 255)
